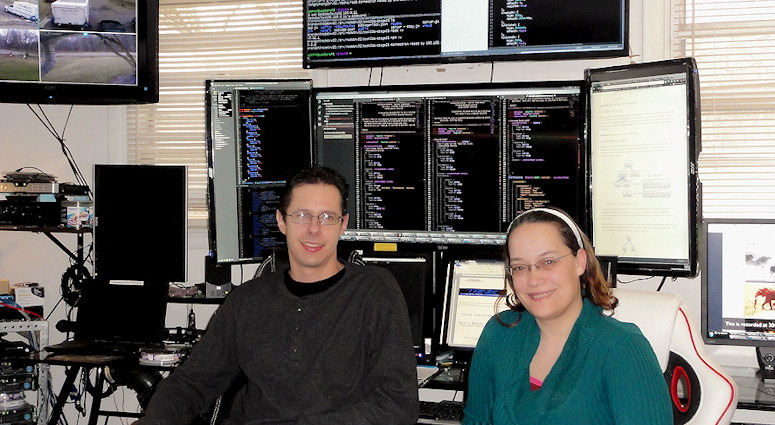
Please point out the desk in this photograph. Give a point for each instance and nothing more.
(76, 364)
(755, 399)
(83, 363)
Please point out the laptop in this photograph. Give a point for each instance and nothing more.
(117, 319)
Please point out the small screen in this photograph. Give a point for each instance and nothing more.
(739, 282)
(258, 135)
(473, 287)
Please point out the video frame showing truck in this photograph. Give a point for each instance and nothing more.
(24, 9)
(70, 12)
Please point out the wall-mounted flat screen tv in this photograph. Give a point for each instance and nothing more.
(404, 32)
(79, 51)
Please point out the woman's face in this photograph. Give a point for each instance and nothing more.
(550, 291)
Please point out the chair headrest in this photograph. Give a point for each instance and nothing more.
(654, 313)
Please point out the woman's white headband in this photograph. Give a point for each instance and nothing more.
(555, 213)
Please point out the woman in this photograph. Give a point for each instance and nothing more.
(555, 357)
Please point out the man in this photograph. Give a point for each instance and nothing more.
(320, 343)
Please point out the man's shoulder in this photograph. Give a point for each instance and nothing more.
(368, 274)
(260, 284)
(368, 270)
(370, 279)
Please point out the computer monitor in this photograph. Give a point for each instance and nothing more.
(413, 274)
(644, 144)
(400, 32)
(113, 312)
(738, 282)
(258, 135)
(473, 288)
(140, 222)
(452, 164)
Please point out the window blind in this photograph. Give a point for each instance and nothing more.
(200, 40)
(733, 42)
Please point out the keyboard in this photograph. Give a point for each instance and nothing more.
(442, 410)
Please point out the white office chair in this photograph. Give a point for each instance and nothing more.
(701, 391)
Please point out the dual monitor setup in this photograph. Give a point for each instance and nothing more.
(453, 164)
(441, 167)
(437, 172)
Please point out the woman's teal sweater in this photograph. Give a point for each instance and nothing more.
(607, 374)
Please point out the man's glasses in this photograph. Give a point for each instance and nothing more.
(545, 264)
(303, 217)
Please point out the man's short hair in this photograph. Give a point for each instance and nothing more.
(314, 175)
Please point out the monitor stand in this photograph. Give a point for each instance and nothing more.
(766, 359)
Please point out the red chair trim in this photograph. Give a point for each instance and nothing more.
(694, 346)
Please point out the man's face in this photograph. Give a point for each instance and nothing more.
(312, 247)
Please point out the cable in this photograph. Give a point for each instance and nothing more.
(661, 283)
(624, 282)
(55, 307)
(73, 281)
(356, 258)
(28, 166)
(24, 312)
(52, 399)
(43, 118)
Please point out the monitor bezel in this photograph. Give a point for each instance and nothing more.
(664, 266)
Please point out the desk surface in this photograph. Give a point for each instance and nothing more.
(752, 391)
(755, 398)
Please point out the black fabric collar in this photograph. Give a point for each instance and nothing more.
(301, 289)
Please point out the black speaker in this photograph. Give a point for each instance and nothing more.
(216, 274)
(766, 357)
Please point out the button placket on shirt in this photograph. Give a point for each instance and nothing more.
(296, 322)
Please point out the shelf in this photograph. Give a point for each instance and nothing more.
(44, 229)
(76, 256)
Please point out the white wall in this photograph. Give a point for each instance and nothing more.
(96, 134)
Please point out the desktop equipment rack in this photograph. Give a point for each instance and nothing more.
(39, 331)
